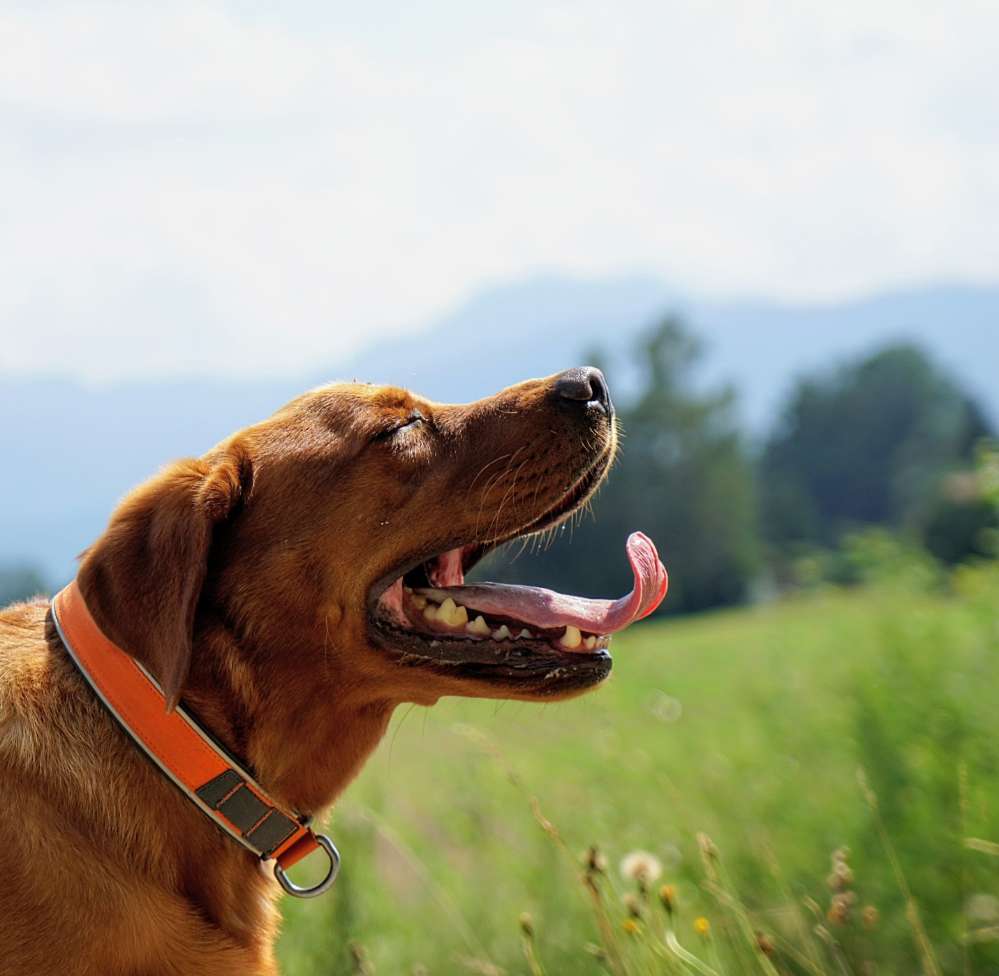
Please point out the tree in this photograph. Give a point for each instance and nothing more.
(683, 478)
(866, 444)
(19, 583)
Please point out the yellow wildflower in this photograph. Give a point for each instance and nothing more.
(667, 895)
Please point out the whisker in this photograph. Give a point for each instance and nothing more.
(506, 496)
(486, 467)
(493, 480)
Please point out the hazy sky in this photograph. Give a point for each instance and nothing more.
(204, 186)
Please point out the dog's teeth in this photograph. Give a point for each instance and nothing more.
(478, 626)
(501, 633)
(590, 643)
(572, 638)
(452, 615)
(419, 601)
(525, 633)
(430, 611)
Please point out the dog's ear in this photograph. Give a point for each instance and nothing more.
(142, 579)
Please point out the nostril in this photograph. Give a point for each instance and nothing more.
(598, 388)
(584, 385)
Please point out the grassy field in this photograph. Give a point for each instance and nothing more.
(749, 727)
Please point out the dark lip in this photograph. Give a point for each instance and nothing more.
(529, 666)
(532, 666)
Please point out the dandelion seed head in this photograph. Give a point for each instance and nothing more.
(641, 866)
(665, 708)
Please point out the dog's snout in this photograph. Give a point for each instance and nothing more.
(585, 386)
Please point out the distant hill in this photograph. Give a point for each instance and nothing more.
(71, 451)
(537, 327)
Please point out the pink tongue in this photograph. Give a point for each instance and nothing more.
(547, 609)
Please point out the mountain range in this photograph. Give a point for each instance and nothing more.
(70, 450)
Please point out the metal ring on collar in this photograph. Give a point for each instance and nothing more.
(293, 889)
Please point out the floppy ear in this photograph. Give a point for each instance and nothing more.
(142, 579)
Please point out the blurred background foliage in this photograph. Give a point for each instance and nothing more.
(19, 582)
(888, 441)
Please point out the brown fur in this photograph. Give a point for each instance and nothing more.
(240, 580)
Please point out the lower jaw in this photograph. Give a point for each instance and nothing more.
(530, 668)
(546, 681)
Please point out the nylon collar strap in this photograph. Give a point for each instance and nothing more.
(207, 775)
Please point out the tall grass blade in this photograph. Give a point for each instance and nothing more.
(925, 948)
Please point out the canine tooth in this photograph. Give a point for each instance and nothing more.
(447, 608)
(478, 626)
(501, 633)
(525, 633)
(459, 617)
(572, 638)
(590, 643)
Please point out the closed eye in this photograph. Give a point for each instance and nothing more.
(414, 419)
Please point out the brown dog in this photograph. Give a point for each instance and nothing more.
(294, 585)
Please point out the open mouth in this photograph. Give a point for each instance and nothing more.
(427, 614)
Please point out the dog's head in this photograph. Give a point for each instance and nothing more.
(334, 538)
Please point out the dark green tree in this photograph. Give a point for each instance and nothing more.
(866, 444)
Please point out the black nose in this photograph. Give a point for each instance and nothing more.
(586, 386)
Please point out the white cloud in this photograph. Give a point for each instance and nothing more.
(188, 187)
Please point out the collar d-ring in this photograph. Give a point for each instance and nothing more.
(317, 889)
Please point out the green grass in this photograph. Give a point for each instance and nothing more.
(749, 727)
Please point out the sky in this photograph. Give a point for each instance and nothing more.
(254, 188)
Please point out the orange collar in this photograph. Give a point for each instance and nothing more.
(208, 776)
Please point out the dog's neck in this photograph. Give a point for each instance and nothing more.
(304, 736)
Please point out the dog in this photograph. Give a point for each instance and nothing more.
(289, 588)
